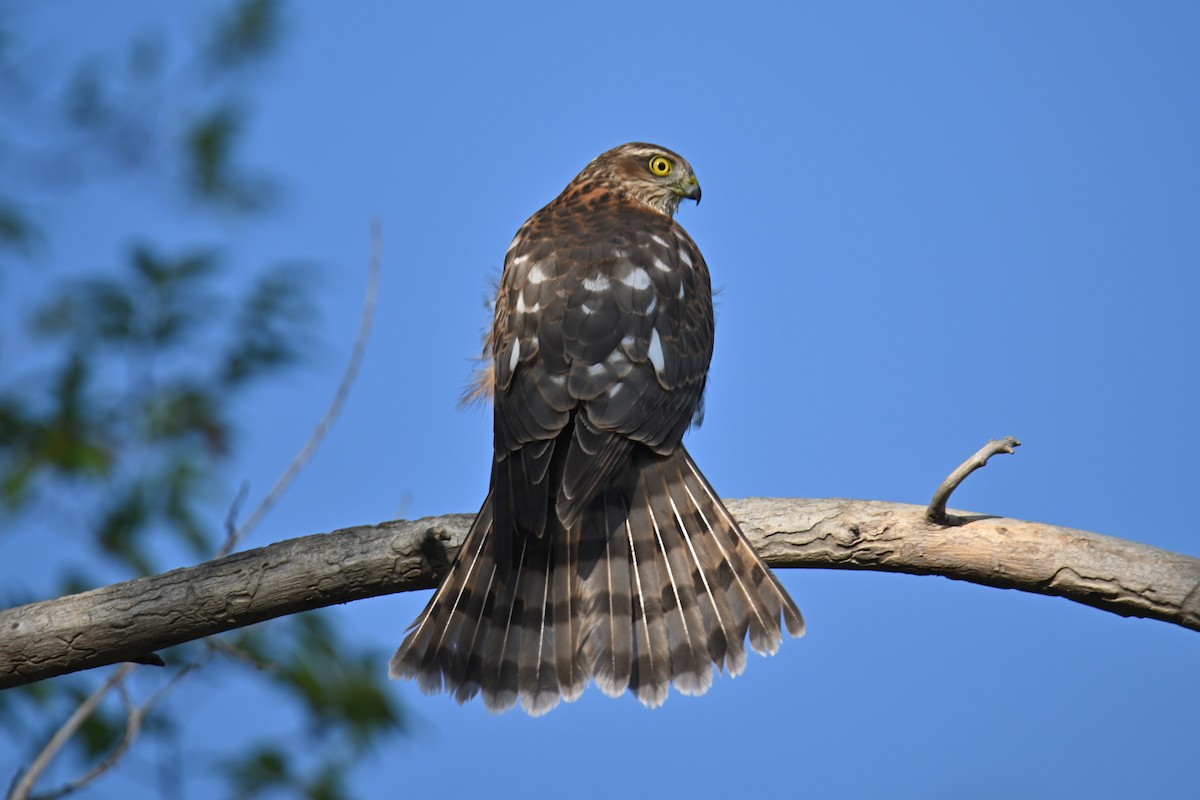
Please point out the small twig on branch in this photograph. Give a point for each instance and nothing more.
(335, 406)
(235, 508)
(936, 512)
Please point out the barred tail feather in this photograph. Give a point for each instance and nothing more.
(762, 589)
(607, 602)
(651, 676)
(571, 674)
(652, 587)
(691, 669)
(500, 660)
(536, 678)
(725, 637)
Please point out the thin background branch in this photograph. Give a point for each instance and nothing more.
(135, 716)
(24, 783)
(366, 320)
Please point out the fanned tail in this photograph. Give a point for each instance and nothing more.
(652, 587)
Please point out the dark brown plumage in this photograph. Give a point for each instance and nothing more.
(601, 552)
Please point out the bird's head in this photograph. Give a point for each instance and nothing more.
(647, 173)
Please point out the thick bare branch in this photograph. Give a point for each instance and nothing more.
(130, 619)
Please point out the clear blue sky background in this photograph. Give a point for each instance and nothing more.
(931, 224)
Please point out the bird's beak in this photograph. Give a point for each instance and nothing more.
(689, 188)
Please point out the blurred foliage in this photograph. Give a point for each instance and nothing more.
(212, 175)
(121, 414)
(247, 32)
(344, 704)
(16, 230)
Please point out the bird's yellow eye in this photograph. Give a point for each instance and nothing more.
(661, 165)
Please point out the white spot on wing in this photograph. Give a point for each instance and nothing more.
(685, 258)
(656, 353)
(524, 309)
(536, 275)
(681, 287)
(653, 304)
(654, 237)
(515, 354)
(637, 279)
(660, 264)
(596, 283)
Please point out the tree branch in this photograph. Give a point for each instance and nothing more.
(125, 620)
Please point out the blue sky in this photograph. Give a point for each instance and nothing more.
(930, 223)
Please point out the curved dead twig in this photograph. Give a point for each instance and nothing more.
(936, 512)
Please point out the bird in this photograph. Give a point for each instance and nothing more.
(601, 552)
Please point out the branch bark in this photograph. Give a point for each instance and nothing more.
(128, 620)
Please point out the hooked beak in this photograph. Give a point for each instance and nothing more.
(689, 188)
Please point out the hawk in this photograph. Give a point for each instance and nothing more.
(601, 552)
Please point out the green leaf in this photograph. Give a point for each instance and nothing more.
(343, 690)
(264, 768)
(101, 731)
(183, 412)
(92, 311)
(146, 57)
(121, 528)
(16, 229)
(182, 481)
(248, 32)
(270, 326)
(210, 146)
(87, 104)
(66, 438)
(157, 302)
(329, 783)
